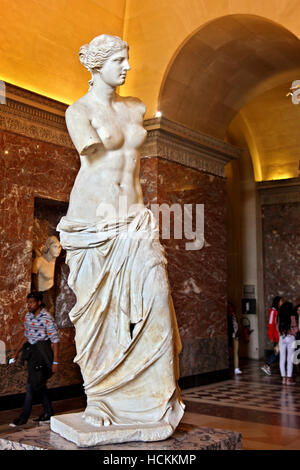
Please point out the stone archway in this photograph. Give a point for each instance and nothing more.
(225, 64)
(230, 65)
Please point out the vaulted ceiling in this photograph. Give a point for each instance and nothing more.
(227, 78)
(244, 65)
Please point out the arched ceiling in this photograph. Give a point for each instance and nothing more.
(217, 70)
(40, 40)
(224, 66)
(270, 126)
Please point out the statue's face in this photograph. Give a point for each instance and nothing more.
(55, 249)
(115, 68)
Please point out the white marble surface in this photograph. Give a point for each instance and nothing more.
(74, 428)
(43, 266)
(127, 338)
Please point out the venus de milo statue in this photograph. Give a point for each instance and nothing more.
(126, 331)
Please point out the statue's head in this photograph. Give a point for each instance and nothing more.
(52, 247)
(94, 55)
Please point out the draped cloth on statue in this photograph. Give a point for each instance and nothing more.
(127, 338)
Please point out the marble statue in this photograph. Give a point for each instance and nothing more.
(43, 268)
(127, 338)
(295, 92)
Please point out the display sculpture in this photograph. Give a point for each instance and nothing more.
(43, 268)
(127, 337)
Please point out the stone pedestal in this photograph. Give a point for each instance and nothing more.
(186, 437)
(73, 428)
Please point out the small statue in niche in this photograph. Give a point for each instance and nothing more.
(43, 271)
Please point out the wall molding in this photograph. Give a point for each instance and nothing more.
(177, 143)
(34, 116)
(29, 97)
(279, 191)
(38, 117)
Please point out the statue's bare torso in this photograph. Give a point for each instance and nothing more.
(108, 138)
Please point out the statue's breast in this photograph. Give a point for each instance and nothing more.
(110, 134)
(135, 135)
(118, 129)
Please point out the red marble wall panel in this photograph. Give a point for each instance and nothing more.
(148, 178)
(29, 169)
(46, 168)
(281, 247)
(197, 278)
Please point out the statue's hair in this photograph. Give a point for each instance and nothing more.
(94, 54)
(50, 241)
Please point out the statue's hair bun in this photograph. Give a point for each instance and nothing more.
(93, 55)
(83, 53)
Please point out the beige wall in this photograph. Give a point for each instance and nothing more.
(157, 29)
(249, 247)
(201, 63)
(243, 253)
(234, 237)
(269, 123)
(40, 39)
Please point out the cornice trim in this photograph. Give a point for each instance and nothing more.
(42, 118)
(34, 116)
(34, 99)
(279, 191)
(174, 142)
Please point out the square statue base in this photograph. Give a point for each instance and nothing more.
(186, 437)
(73, 428)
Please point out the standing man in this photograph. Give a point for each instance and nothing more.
(41, 353)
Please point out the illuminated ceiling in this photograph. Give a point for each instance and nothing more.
(227, 64)
(222, 67)
(39, 41)
(221, 70)
(270, 126)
